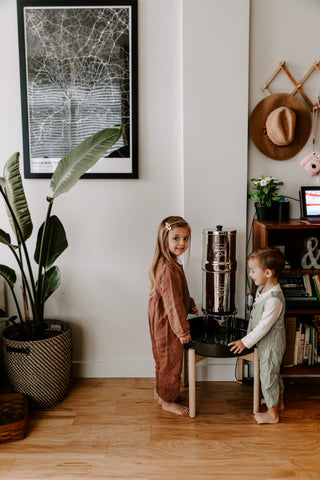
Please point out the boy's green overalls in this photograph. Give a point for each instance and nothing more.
(270, 350)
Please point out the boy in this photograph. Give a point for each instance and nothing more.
(266, 328)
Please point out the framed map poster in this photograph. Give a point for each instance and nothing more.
(78, 75)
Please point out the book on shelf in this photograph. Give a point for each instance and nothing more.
(316, 283)
(303, 302)
(301, 346)
(297, 343)
(289, 354)
(302, 341)
(306, 343)
(300, 290)
(307, 282)
(293, 284)
(296, 294)
(316, 324)
(311, 357)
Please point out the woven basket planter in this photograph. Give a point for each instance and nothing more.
(41, 369)
(13, 417)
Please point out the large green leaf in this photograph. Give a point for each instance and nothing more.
(75, 164)
(8, 274)
(16, 196)
(51, 282)
(55, 241)
(5, 238)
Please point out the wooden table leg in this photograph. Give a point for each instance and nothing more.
(256, 382)
(240, 363)
(252, 357)
(185, 368)
(192, 381)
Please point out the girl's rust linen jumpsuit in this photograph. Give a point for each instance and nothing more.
(168, 309)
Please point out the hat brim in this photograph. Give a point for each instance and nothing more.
(257, 124)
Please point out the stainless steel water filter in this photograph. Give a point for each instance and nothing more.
(219, 271)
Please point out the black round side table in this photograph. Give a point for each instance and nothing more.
(208, 339)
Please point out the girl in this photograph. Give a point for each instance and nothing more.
(169, 305)
(266, 328)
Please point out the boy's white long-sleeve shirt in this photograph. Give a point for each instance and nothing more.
(272, 310)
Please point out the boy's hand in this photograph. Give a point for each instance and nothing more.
(238, 346)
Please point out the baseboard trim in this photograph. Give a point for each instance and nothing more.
(113, 369)
(210, 369)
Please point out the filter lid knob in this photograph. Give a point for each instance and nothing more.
(219, 228)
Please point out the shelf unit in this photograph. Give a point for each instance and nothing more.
(291, 234)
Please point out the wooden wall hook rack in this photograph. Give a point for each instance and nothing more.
(297, 85)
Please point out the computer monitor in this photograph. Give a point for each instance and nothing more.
(310, 202)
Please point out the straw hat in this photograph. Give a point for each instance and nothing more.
(280, 126)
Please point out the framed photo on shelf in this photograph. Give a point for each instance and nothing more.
(78, 75)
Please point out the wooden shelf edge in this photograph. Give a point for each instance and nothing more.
(302, 311)
(300, 271)
(293, 224)
(303, 370)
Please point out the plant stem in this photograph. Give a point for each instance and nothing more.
(18, 309)
(25, 284)
(23, 244)
(41, 278)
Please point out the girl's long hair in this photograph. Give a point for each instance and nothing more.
(162, 247)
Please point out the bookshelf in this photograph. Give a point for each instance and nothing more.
(291, 234)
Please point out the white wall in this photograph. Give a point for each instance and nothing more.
(215, 102)
(111, 224)
(215, 106)
(283, 30)
(193, 110)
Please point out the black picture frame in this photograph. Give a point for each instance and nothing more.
(78, 75)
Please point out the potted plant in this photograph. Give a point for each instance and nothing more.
(266, 196)
(34, 366)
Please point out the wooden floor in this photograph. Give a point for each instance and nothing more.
(114, 429)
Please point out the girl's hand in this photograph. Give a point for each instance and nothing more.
(185, 339)
(238, 346)
(194, 310)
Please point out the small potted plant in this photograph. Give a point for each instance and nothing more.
(37, 351)
(266, 196)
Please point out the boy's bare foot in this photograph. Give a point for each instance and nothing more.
(173, 407)
(280, 404)
(270, 416)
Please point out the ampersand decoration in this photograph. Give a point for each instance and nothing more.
(311, 256)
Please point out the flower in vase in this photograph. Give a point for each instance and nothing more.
(266, 190)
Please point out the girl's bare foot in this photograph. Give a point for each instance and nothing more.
(270, 416)
(173, 407)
